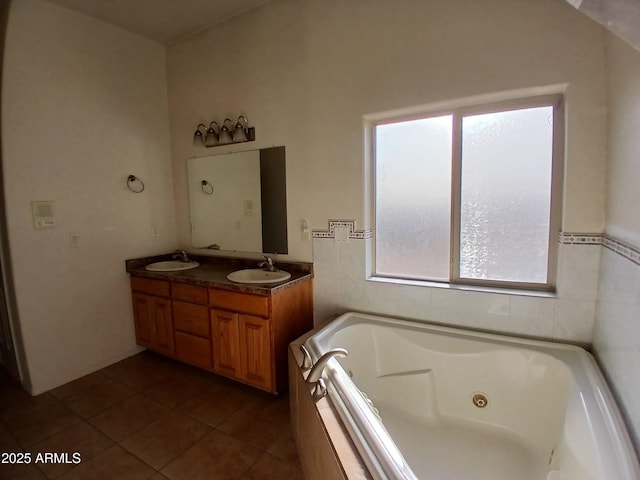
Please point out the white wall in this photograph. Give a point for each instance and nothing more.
(84, 105)
(623, 195)
(617, 332)
(305, 72)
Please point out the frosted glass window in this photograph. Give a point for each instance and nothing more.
(506, 195)
(466, 196)
(413, 202)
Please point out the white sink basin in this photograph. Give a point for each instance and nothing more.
(257, 275)
(171, 266)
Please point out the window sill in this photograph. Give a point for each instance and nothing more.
(466, 288)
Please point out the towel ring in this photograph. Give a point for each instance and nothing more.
(135, 184)
(206, 187)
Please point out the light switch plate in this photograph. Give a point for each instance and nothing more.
(43, 214)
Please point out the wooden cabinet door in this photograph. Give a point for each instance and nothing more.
(193, 350)
(143, 320)
(226, 357)
(153, 323)
(256, 360)
(163, 321)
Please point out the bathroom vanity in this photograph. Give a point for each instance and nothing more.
(237, 330)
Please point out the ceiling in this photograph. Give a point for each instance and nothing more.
(164, 21)
(622, 17)
(168, 21)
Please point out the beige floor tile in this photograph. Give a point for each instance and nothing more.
(259, 424)
(149, 417)
(21, 472)
(158, 476)
(81, 439)
(41, 419)
(115, 463)
(215, 457)
(218, 403)
(177, 389)
(14, 398)
(97, 399)
(141, 371)
(284, 447)
(163, 440)
(269, 467)
(7, 442)
(126, 418)
(77, 386)
(16, 401)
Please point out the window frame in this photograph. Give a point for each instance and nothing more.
(554, 100)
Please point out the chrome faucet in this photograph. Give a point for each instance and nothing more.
(182, 256)
(315, 374)
(268, 264)
(307, 361)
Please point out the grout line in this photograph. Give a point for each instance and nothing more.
(242, 475)
(79, 420)
(63, 405)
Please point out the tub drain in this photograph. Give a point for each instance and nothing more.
(480, 400)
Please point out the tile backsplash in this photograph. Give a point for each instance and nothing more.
(348, 225)
(341, 269)
(597, 302)
(616, 339)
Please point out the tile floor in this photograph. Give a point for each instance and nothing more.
(148, 417)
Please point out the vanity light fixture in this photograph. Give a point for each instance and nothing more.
(224, 134)
(240, 130)
(199, 136)
(211, 140)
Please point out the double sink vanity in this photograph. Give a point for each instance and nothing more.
(223, 314)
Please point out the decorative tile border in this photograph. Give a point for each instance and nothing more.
(623, 249)
(350, 225)
(568, 238)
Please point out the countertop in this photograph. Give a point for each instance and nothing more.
(213, 272)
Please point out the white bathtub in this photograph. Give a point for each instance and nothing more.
(455, 404)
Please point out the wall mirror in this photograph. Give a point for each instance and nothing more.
(238, 201)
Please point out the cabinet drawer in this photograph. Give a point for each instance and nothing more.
(191, 318)
(239, 302)
(194, 350)
(190, 293)
(158, 288)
